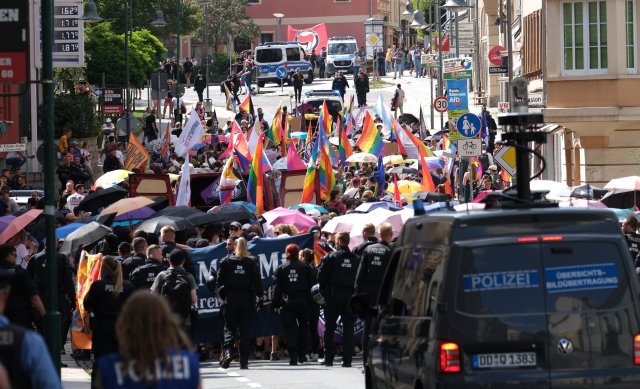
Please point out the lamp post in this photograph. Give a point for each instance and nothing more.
(456, 6)
(127, 31)
(278, 16)
(205, 29)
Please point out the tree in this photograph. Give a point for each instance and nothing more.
(105, 54)
(144, 11)
(228, 17)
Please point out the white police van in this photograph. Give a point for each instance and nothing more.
(272, 55)
(340, 54)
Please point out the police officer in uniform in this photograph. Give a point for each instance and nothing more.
(144, 276)
(25, 293)
(373, 265)
(293, 281)
(238, 284)
(369, 235)
(336, 278)
(630, 231)
(22, 352)
(137, 259)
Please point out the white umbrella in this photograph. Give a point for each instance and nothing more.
(376, 217)
(363, 158)
(334, 140)
(553, 187)
(624, 184)
(344, 222)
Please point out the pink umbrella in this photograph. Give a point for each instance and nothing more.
(343, 223)
(375, 217)
(482, 195)
(288, 216)
(582, 203)
(18, 224)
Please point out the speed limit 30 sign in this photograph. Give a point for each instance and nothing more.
(441, 104)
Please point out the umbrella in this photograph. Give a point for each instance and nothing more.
(393, 159)
(127, 205)
(587, 191)
(334, 140)
(344, 222)
(18, 224)
(288, 216)
(368, 207)
(430, 196)
(222, 215)
(362, 158)
(94, 201)
(376, 217)
(627, 184)
(402, 170)
(582, 203)
(111, 178)
(83, 236)
(155, 224)
(298, 135)
(308, 208)
(244, 205)
(482, 194)
(5, 221)
(622, 214)
(159, 203)
(552, 187)
(142, 213)
(64, 231)
(280, 164)
(406, 187)
(440, 133)
(181, 211)
(621, 198)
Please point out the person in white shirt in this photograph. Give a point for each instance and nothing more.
(119, 153)
(75, 199)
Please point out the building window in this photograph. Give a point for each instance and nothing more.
(584, 37)
(253, 1)
(630, 33)
(266, 37)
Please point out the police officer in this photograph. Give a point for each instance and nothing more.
(238, 284)
(373, 265)
(136, 260)
(369, 236)
(293, 281)
(25, 293)
(336, 278)
(22, 352)
(143, 276)
(630, 231)
(103, 301)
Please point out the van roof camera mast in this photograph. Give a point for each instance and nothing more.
(520, 125)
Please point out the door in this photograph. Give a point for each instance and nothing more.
(591, 315)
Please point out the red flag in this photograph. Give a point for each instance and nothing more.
(396, 191)
(166, 144)
(311, 38)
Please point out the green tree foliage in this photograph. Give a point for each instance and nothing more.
(105, 54)
(226, 17)
(144, 11)
(76, 112)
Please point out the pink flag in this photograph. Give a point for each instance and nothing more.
(294, 162)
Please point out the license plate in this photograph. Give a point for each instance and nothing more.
(503, 360)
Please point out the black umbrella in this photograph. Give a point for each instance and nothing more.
(588, 192)
(222, 215)
(180, 211)
(402, 170)
(621, 199)
(431, 196)
(155, 224)
(160, 202)
(102, 198)
(84, 236)
(439, 133)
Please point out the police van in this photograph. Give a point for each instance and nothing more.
(289, 55)
(523, 295)
(340, 54)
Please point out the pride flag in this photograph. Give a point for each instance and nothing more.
(275, 134)
(344, 146)
(255, 186)
(294, 162)
(370, 140)
(228, 182)
(247, 106)
(325, 119)
(384, 114)
(320, 169)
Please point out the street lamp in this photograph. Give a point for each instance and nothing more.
(456, 6)
(205, 29)
(408, 9)
(90, 14)
(278, 17)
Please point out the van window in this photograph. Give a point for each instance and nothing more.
(341, 48)
(412, 280)
(269, 55)
(584, 276)
(500, 279)
(293, 54)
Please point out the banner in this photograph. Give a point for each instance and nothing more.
(269, 252)
(183, 197)
(137, 155)
(312, 38)
(89, 268)
(191, 134)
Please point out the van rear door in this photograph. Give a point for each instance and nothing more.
(591, 314)
(499, 319)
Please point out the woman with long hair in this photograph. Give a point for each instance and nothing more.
(103, 301)
(472, 177)
(154, 350)
(238, 284)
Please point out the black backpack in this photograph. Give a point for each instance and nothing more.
(177, 290)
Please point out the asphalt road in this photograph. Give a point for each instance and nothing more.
(278, 374)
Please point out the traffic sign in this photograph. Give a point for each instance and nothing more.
(506, 158)
(469, 125)
(495, 55)
(441, 104)
(281, 72)
(470, 147)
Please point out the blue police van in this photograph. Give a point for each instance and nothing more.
(288, 55)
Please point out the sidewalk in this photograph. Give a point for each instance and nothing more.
(73, 376)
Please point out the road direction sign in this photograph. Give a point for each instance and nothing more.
(506, 158)
(470, 147)
(441, 104)
(469, 125)
(281, 72)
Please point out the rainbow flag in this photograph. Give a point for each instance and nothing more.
(255, 186)
(423, 153)
(228, 182)
(344, 146)
(240, 147)
(275, 134)
(370, 140)
(318, 253)
(320, 169)
(325, 119)
(247, 106)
